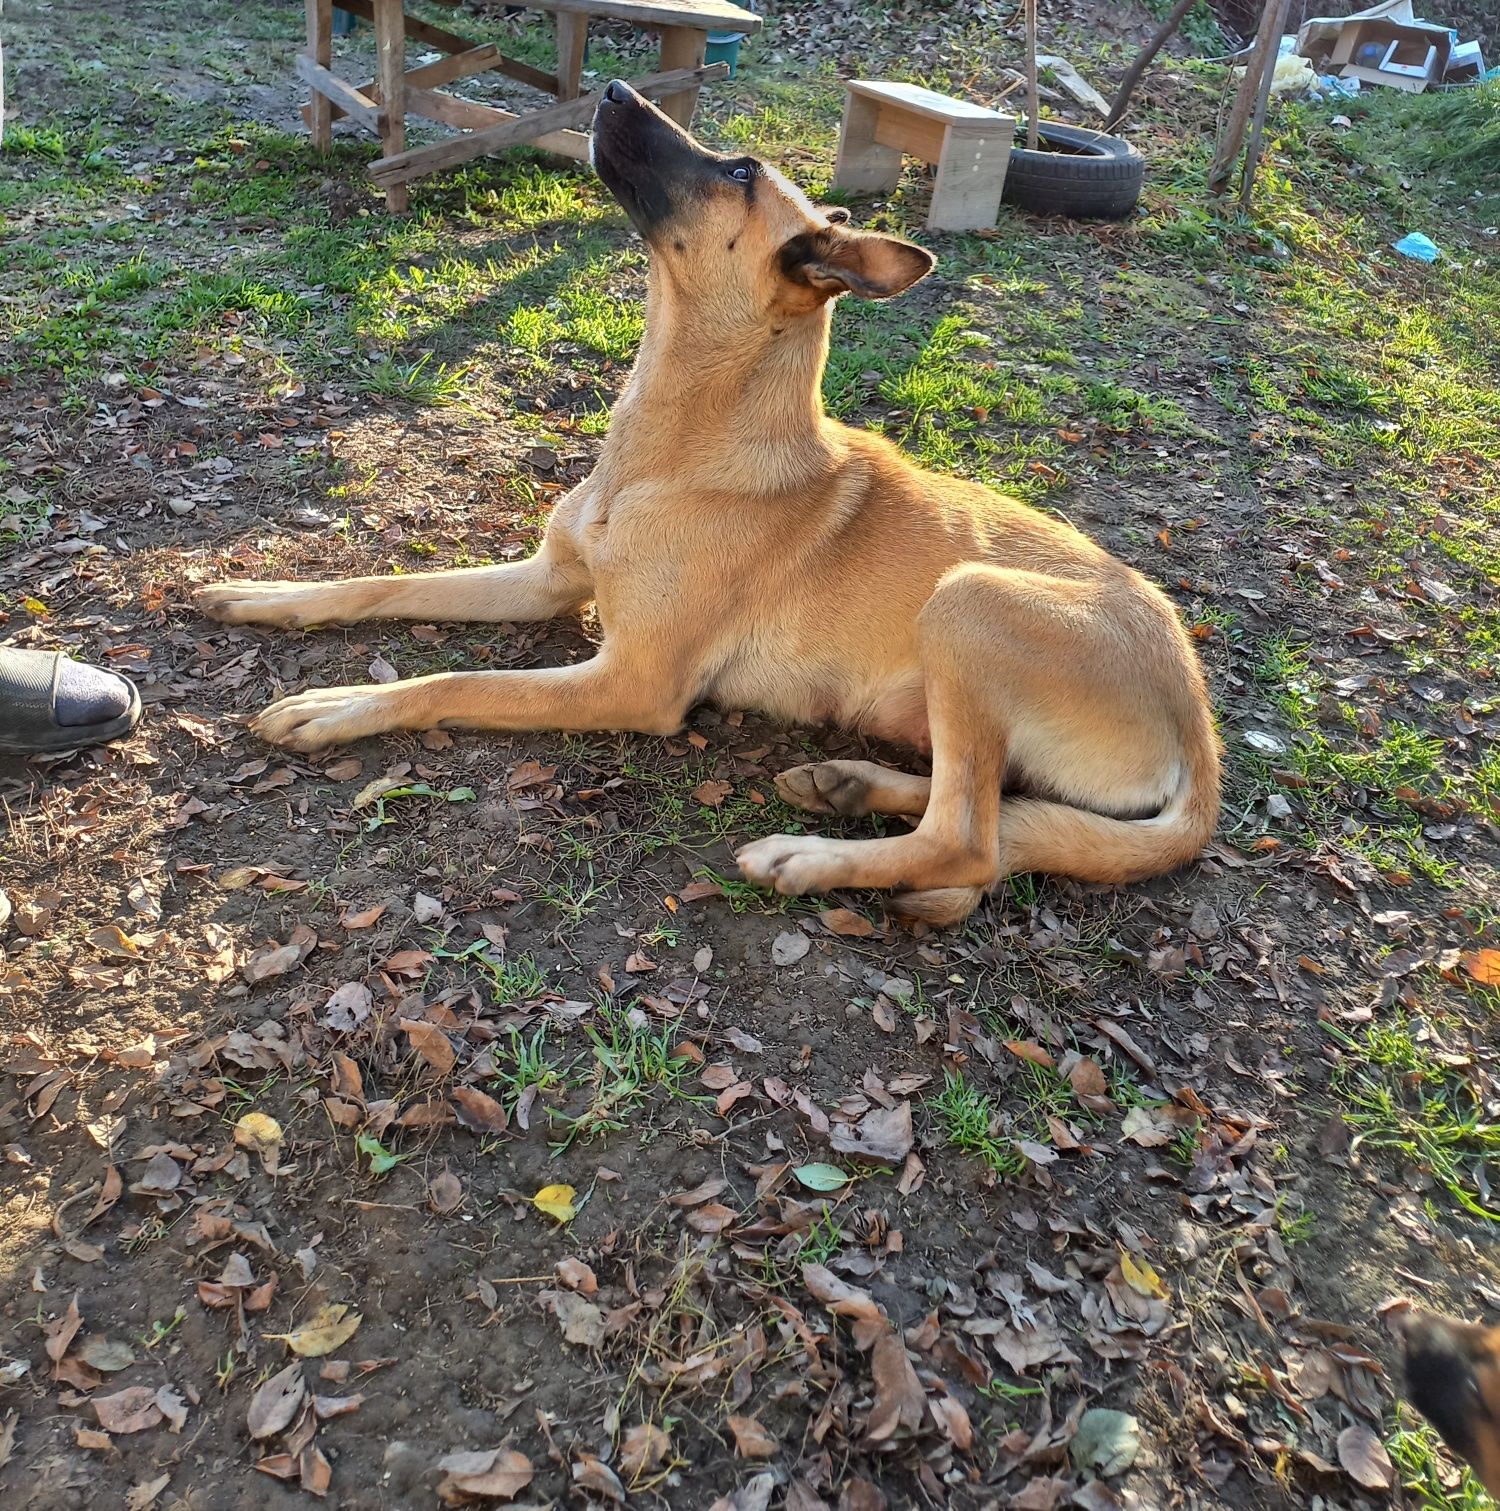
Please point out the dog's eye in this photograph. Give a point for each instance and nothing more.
(740, 174)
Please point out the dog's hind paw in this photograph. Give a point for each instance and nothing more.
(286, 605)
(791, 863)
(827, 787)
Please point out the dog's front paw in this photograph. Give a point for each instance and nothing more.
(322, 717)
(788, 863)
(286, 605)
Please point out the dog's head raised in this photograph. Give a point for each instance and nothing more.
(734, 226)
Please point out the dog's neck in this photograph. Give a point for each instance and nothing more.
(741, 412)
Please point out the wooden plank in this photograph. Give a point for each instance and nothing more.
(702, 15)
(390, 70)
(681, 47)
(916, 135)
(572, 38)
(468, 115)
(937, 107)
(320, 51)
(526, 128)
(970, 179)
(329, 86)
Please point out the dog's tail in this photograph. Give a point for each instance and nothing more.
(1038, 835)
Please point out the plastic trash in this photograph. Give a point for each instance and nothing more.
(1418, 246)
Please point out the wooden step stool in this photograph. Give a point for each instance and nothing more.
(969, 144)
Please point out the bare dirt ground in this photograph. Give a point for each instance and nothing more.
(1092, 1203)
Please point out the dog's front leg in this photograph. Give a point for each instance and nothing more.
(610, 692)
(552, 582)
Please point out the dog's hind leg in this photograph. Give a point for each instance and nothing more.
(955, 849)
(854, 788)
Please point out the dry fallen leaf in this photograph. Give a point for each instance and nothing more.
(1364, 1459)
(845, 923)
(899, 1398)
(478, 1112)
(643, 1450)
(431, 1043)
(331, 1328)
(1484, 967)
(499, 1473)
(577, 1276)
(445, 1193)
(751, 1440)
(131, 1410)
(884, 1134)
(582, 1321)
(277, 1402)
(348, 1007)
(60, 1334)
(144, 1495)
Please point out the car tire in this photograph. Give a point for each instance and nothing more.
(1091, 177)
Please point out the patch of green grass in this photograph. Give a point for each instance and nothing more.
(1422, 1463)
(419, 382)
(986, 1128)
(1400, 1098)
(523, 1063)
(632, 1063)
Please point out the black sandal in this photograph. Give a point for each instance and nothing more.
(50, 702)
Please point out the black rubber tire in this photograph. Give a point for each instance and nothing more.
(1099, 179)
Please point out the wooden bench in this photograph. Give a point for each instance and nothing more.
(969, 144)
(383, 104)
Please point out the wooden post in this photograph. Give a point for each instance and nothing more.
(863, 165)
(390, 73)
(1032, 103)
(320, 52)
(1233, 135)
(572, 38)
(970, 178)
(682, 47)
(1258, 121)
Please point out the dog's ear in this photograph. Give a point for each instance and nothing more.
(839, 261)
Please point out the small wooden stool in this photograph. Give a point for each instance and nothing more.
(969, 144)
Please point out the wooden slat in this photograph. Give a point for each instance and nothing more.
(927, 102)
(913, 134)
(527, 128)
(702, 15)
(458, 65)
(468, 115)
(349, 100)
(447, 41)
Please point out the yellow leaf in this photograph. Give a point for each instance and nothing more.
(261, 1134)
(1141, 1277)
(240, 877)
(257, 1131)
(556, 1201)
(37, 607)
(329, 1329)
(1484, 967)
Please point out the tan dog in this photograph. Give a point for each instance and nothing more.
(1453, 1379)
(743, 548)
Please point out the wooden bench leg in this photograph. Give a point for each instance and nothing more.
(572, 38)
(682, 47)
(970, 180)
(390, 73)
(320, 50)
(863, 165)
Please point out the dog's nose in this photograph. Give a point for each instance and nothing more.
(616, 92)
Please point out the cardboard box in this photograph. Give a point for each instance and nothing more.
(1385, 44)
